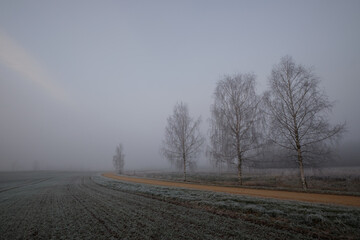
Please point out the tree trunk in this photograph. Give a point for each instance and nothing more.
(239, 171)
(220, 168)
(184, 158)
(300, 160)
(239, 158)
(301, 166)
(302, 175)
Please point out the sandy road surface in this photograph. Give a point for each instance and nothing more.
(76, 206)
(285, 195)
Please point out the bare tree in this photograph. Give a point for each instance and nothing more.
(220, 150)
(183, 139)
(235, 114)
(119, 159)
(298, 113)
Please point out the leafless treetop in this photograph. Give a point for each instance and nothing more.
(183, 139)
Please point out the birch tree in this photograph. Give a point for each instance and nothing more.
(119, 159)
(298, 112)
(235, 114)
(183, 140)
(220, 151)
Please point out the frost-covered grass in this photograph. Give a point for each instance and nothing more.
(73, 206)
(89, 206)
(327, 180)
(315, 219)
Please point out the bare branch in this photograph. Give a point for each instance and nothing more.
(298, 113)
(235, 115)
(183, 140)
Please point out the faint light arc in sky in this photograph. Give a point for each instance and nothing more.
(16, 58)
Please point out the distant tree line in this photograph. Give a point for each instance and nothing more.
(292, 118)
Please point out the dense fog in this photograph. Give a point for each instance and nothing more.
(80, 77)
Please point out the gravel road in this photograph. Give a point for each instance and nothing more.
(285, 195)
(76, 206)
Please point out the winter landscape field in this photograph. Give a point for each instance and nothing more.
(177, 119)
(71, 205)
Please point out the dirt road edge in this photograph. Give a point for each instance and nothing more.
(343, 200)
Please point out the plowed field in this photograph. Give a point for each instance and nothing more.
(90, 206)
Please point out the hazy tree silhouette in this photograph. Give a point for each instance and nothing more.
(220, 151)
(119, 159)
(234, 117)
(183, 139)
(298, 112)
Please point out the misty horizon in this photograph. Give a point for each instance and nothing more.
(79, 78)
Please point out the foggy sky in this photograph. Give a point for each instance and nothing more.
(79, 77)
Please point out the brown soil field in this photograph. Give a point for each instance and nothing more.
(284, 195)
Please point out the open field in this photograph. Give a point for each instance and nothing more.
(90, 206)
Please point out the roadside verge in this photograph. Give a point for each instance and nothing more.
(344, 200)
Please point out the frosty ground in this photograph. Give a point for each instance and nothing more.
(54, 205)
